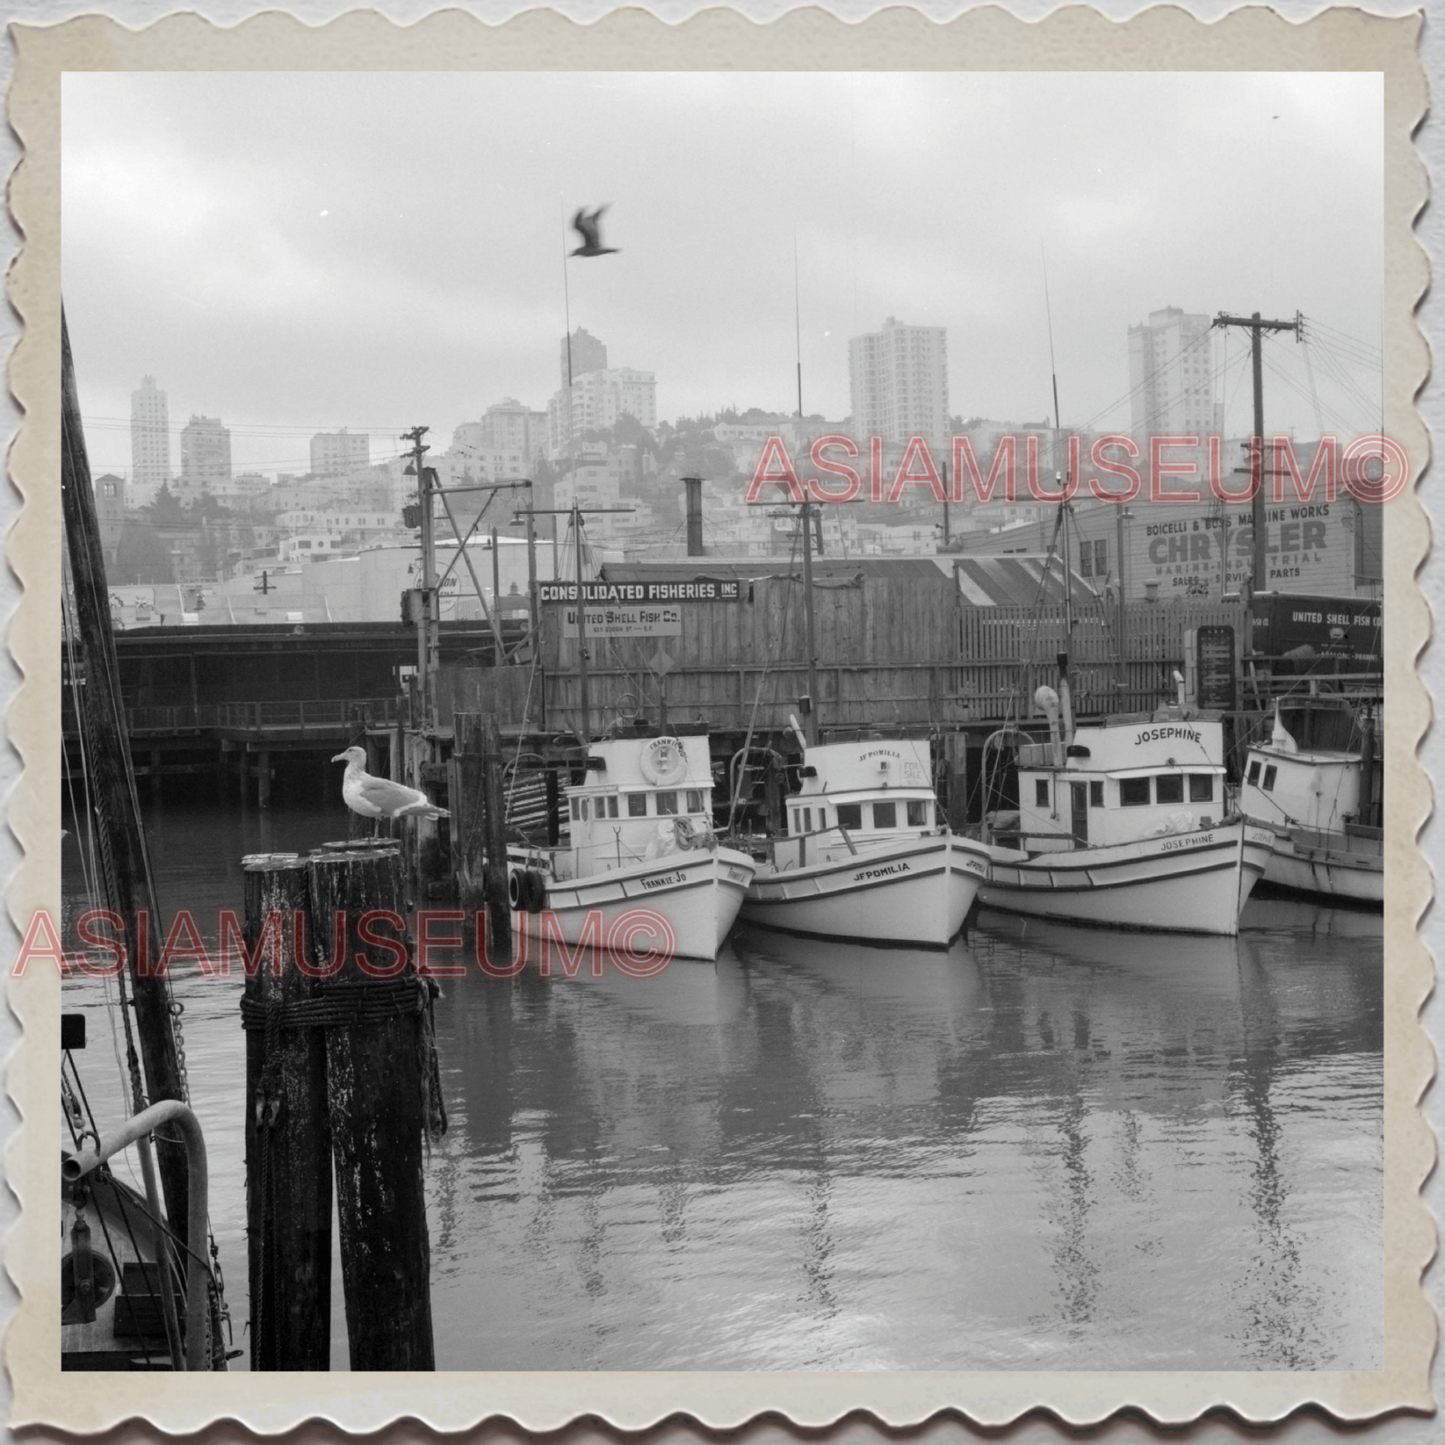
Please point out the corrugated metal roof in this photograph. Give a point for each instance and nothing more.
(1017, 580)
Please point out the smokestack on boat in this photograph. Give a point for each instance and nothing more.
(1047, 699)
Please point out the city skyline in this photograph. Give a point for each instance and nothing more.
(266, 280)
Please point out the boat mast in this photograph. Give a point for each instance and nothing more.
(805, 518)
(581, 624)
(125, 867)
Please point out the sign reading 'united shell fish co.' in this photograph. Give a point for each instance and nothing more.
(636, 609)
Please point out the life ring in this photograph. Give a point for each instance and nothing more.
(664, 762)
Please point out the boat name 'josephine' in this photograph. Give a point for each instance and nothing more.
(1194, 840)
(1154, 735)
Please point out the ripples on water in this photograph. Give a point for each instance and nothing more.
(1046, 1148)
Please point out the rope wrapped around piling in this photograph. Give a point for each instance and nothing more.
(342, 1004)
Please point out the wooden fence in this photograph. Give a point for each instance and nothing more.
(904, 650)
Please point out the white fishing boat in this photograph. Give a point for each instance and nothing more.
(867, 857)
(1124, 823)
(642, 857)
(1316, 786)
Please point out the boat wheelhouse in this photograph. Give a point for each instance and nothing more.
(1125, 823)
(867, 855)
(1316, 785)
(640, 838)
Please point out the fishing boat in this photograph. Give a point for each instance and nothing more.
(138, 1289)
(1315, 785)
(867, 856)
(1123, 823)
(642, 857)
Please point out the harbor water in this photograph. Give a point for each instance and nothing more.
(1046, 1148)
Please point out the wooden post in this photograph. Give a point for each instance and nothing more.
(499, 907)
(377, 1090)
(956, 754)
(288, 1133)
(469, 819)
(263, 779)
(554, 808)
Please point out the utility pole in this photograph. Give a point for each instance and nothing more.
(581, 625)
(810, 723)
(427, 643)
(1256, 328)
(576, 512)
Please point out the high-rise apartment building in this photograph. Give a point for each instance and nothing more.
(899, 382)
(334, 454)
(507, 427)
(150, 442)
(598, 400)
(581, 353)
(205, 457)
(1171, 376)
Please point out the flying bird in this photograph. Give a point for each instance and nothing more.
(588, 225)
(378, 798)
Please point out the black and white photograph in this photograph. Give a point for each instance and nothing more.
(727, 721)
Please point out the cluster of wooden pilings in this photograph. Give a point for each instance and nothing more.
(341, 1085)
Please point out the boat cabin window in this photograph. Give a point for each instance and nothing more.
(1133, 792)
(1269, 776)
(576, 810)
(1254, 771)
(611, 801)
(637, 805)
(1096, 792)
(807, 820)
(584, 810)
(1169, 788)
(694, 802)
(885, 815)
(666, 804)
(850, 815)
(1041, 792)
(917, 813)
(1201, 787)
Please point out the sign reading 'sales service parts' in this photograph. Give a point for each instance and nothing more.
(636, 609)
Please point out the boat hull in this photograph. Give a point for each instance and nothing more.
(1317, 868)
(1180, 883)
(916, 894)
(697, 892)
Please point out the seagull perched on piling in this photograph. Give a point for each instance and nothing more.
(378, 798)
(588, 225)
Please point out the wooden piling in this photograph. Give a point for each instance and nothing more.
(469, 819)
(499, 908)
(288, 1132)
(377, 1080)
(263, 779)
(955, 752)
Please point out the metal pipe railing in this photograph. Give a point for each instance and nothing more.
(168, 1111)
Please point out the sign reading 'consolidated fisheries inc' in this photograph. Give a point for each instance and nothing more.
(635, 609)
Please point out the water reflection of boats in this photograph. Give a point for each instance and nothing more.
(1207, 961)
(1300, 915)
(935, 981)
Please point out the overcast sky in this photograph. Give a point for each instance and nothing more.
(300, 252)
